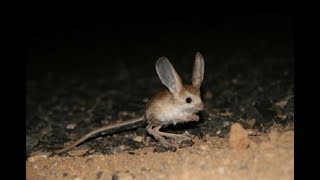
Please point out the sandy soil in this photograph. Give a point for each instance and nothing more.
(245, 154)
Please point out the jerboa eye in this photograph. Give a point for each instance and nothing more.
(188, 100)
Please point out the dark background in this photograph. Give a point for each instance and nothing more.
(71, 46)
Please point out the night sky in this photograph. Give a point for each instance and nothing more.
(64, 46)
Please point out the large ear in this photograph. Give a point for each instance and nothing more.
(168, 75)
(198, 70)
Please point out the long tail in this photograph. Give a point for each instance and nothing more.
(99, 130)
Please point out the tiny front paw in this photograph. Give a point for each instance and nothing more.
(193, 117)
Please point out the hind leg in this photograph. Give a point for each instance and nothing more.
(154, 131)
(171, 135)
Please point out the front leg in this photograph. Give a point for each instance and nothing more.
(193, 117)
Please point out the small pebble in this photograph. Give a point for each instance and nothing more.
(122, 147)
(92, 151)
(204, 147)
(99, 174)
(145, 169)
(281, 116)
(208, 95)
(226, 114)
(138, 138)
(234, 81)
(207, 137)
(115, 177)
(251, 122)
(282, 103)
(71, 126)
(131, 153)
(186, 143)
(218, 132)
